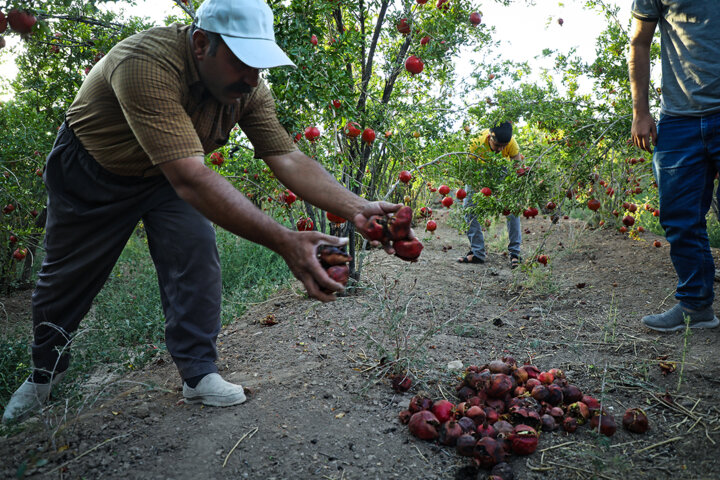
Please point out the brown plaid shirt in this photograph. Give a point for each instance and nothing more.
(143, 104)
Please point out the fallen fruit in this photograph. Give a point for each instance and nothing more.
(401, 383)
(423, 425)
(465, 445)
(443, 410)
(524, 439)
(489, 452)
(657, 243)
(635, 420)
(542, 259)
(604, 423)
(450, 431)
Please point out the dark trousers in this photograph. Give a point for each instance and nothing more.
(91, 215)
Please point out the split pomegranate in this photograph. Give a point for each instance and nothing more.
(579, 411)
(500, 384)
(376, 229)
(450, 431)
(604, 423)
(489, 452)
(339, 273)
(420, 402)
(635, 420)
(524, 439)
(570, 424)
(330, 255)
(423, 425)
(399, 224)
(401, 382)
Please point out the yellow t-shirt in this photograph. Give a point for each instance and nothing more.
(480, 146)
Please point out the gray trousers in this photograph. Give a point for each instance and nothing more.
(475, 234)
(91, 215)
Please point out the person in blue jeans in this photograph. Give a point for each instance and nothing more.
(686, 139)
(498, 139)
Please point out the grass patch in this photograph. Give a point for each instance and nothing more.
(125, 328)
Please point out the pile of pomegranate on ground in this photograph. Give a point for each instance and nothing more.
(501, 409)
(396, 229)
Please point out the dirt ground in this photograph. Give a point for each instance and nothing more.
(322, 408)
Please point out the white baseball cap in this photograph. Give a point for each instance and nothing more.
(246, 26)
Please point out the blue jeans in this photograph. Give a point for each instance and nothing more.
(685, 162)
(475, 234)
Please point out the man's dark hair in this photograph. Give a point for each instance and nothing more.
(502, 132)
(214, 38)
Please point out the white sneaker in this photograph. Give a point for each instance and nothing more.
(28, 399)
(214, 392)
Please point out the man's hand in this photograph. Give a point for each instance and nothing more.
(300, 254)
(644, 131)
(361, 220)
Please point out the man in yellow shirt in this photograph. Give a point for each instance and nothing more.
(498, 139)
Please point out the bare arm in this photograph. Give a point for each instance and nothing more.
(312, 182)
(214, 197)
(643, 126)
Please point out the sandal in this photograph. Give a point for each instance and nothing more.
(514, 262)
(473, 259)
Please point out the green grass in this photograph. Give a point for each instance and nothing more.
(125, 328)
